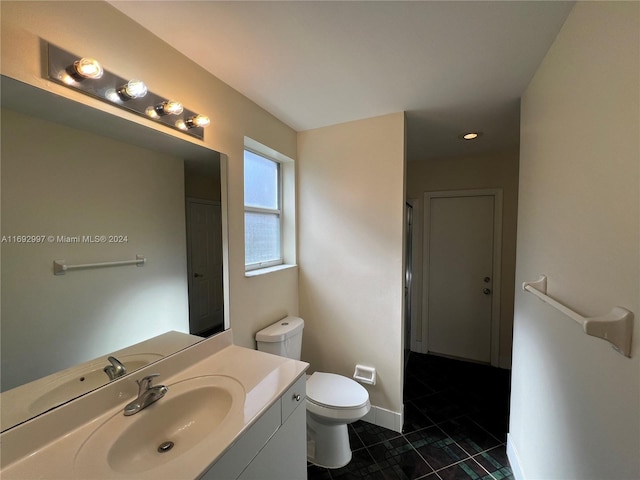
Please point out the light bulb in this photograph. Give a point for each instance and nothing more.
(112, 95)
(199, 121)
(169, 107)
(181, 124)
(133, 89)
(151, 111)
(66, 78)
(88, 68)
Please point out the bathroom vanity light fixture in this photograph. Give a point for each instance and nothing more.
(86, 75)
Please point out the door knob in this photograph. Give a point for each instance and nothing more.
(197, 275)
(486, 291)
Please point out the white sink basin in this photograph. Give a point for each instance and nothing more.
(192, 416)
(64, 389)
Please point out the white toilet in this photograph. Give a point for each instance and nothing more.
(333, 401)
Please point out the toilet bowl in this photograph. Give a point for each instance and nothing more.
(333, 401)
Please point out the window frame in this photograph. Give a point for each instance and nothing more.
(249, 267)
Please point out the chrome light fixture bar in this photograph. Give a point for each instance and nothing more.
(86, 75)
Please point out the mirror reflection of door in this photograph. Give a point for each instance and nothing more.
(204, 261)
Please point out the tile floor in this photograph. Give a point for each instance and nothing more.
(456, 419)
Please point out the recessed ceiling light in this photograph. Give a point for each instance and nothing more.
(469, 135)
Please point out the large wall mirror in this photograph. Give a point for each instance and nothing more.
(87, 187)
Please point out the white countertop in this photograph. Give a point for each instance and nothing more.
(26, 401)
(45, 447)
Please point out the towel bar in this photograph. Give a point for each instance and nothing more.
(60, 267)
(616, 327)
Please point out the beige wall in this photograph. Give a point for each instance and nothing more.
(52, 187)
(202, 186)
(575, 404)
(496, 170)
(351, 204)
(130, 51)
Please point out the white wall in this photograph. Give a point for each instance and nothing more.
(128, 50)
(62, 182)
(351, 220)
(492, 170)
(575, 404)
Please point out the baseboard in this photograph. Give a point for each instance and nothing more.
(514, 459)
(385, 418)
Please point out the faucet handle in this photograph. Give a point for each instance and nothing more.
(115, 362)
(144, 383)
(115, 369)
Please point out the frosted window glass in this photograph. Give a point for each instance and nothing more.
(260, 181)
(261, 237)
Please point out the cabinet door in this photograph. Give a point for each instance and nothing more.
(294, 397)
(285, 456)
(229, 466)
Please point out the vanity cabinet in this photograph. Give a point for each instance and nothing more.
(273, 448)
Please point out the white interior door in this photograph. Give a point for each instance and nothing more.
(204, 257)
(459, 287)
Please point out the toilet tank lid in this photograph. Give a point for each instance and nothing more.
(281, 330)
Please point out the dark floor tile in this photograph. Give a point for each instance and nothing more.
(437, 448)
(496, 423)
(354, 439)
(361, 467)
(467, 470)
(439, 384)
(397, 458)
(503, 474)
(435, 378)
(469, 435)
(417, 362)
(495, 461)
(414, 387)
(430, 476)
(414, 419)
(317, 473)
(348, 475)
(371, 434)
(470, 405)
(441, 406)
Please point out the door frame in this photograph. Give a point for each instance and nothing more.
(497, 263)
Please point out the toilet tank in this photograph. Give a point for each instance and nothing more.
(283, 338)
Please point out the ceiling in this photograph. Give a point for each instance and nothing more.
(453, 66)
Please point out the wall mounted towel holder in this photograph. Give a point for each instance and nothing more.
(60, 267)
(616, 327)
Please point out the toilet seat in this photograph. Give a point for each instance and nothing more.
(333, 391)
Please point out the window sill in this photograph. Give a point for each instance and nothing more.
(263, 271)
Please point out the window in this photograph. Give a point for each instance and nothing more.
(262, 211)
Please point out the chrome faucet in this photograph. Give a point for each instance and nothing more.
(147, 394)
(115, 370)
